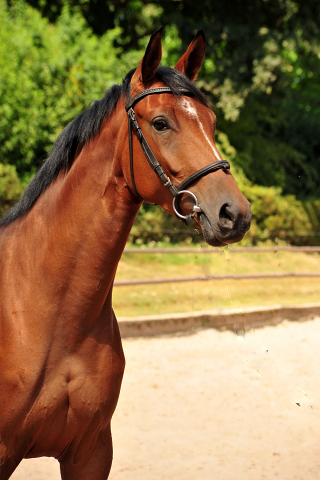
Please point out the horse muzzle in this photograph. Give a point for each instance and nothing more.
(227, 226)
(220, 225)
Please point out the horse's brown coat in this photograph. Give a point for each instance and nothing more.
(60, 349)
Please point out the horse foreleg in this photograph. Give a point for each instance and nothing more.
(97, 467)
(8, 462)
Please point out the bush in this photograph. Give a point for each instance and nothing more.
(49, 74)
(276, 217)
(11, 188)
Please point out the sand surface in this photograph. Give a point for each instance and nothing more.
(213, 405)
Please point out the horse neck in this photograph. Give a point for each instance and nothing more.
(75, 234)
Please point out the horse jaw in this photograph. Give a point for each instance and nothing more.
(210, 233)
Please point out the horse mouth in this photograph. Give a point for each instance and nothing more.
(208, 231)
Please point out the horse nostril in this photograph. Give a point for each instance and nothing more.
(226, 217)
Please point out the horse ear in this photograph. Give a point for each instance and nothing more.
(190, 63)
(147, 68)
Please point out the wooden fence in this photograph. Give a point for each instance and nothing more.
(122, 283)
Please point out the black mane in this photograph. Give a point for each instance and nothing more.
(84, 127)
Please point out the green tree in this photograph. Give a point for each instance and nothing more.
(261, 71)
(262, 61)
(11, 188)
(49, 74)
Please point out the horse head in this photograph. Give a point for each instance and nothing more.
(176, 127)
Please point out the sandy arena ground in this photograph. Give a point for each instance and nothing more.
(212, 405)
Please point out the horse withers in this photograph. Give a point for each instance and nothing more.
(151, 138)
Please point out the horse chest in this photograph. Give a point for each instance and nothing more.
(66, 400)
(87, 384)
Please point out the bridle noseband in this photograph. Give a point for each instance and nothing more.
(154, 163)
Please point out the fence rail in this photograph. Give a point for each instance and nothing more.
(219, 250)
(124, 283)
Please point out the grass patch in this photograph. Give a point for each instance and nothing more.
(213, 294)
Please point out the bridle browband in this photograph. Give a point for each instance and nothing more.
(176, 191)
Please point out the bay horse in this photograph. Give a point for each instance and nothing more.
(60, 349)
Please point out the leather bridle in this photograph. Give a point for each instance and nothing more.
(176, 191)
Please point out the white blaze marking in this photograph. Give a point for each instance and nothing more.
(192, 112)
(189, 108)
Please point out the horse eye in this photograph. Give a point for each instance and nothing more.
(160, 124)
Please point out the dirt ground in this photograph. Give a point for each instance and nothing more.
(213, 405)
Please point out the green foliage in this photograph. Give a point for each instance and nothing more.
(262, 63)
(261, 71)
(10, 188)
(136, 18)
(262, 152)
(155, 226)
(277, 142)
(49, 74)
(276, 217)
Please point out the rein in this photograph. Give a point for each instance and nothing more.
(176, 191)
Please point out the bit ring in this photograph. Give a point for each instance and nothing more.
(195, 208)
